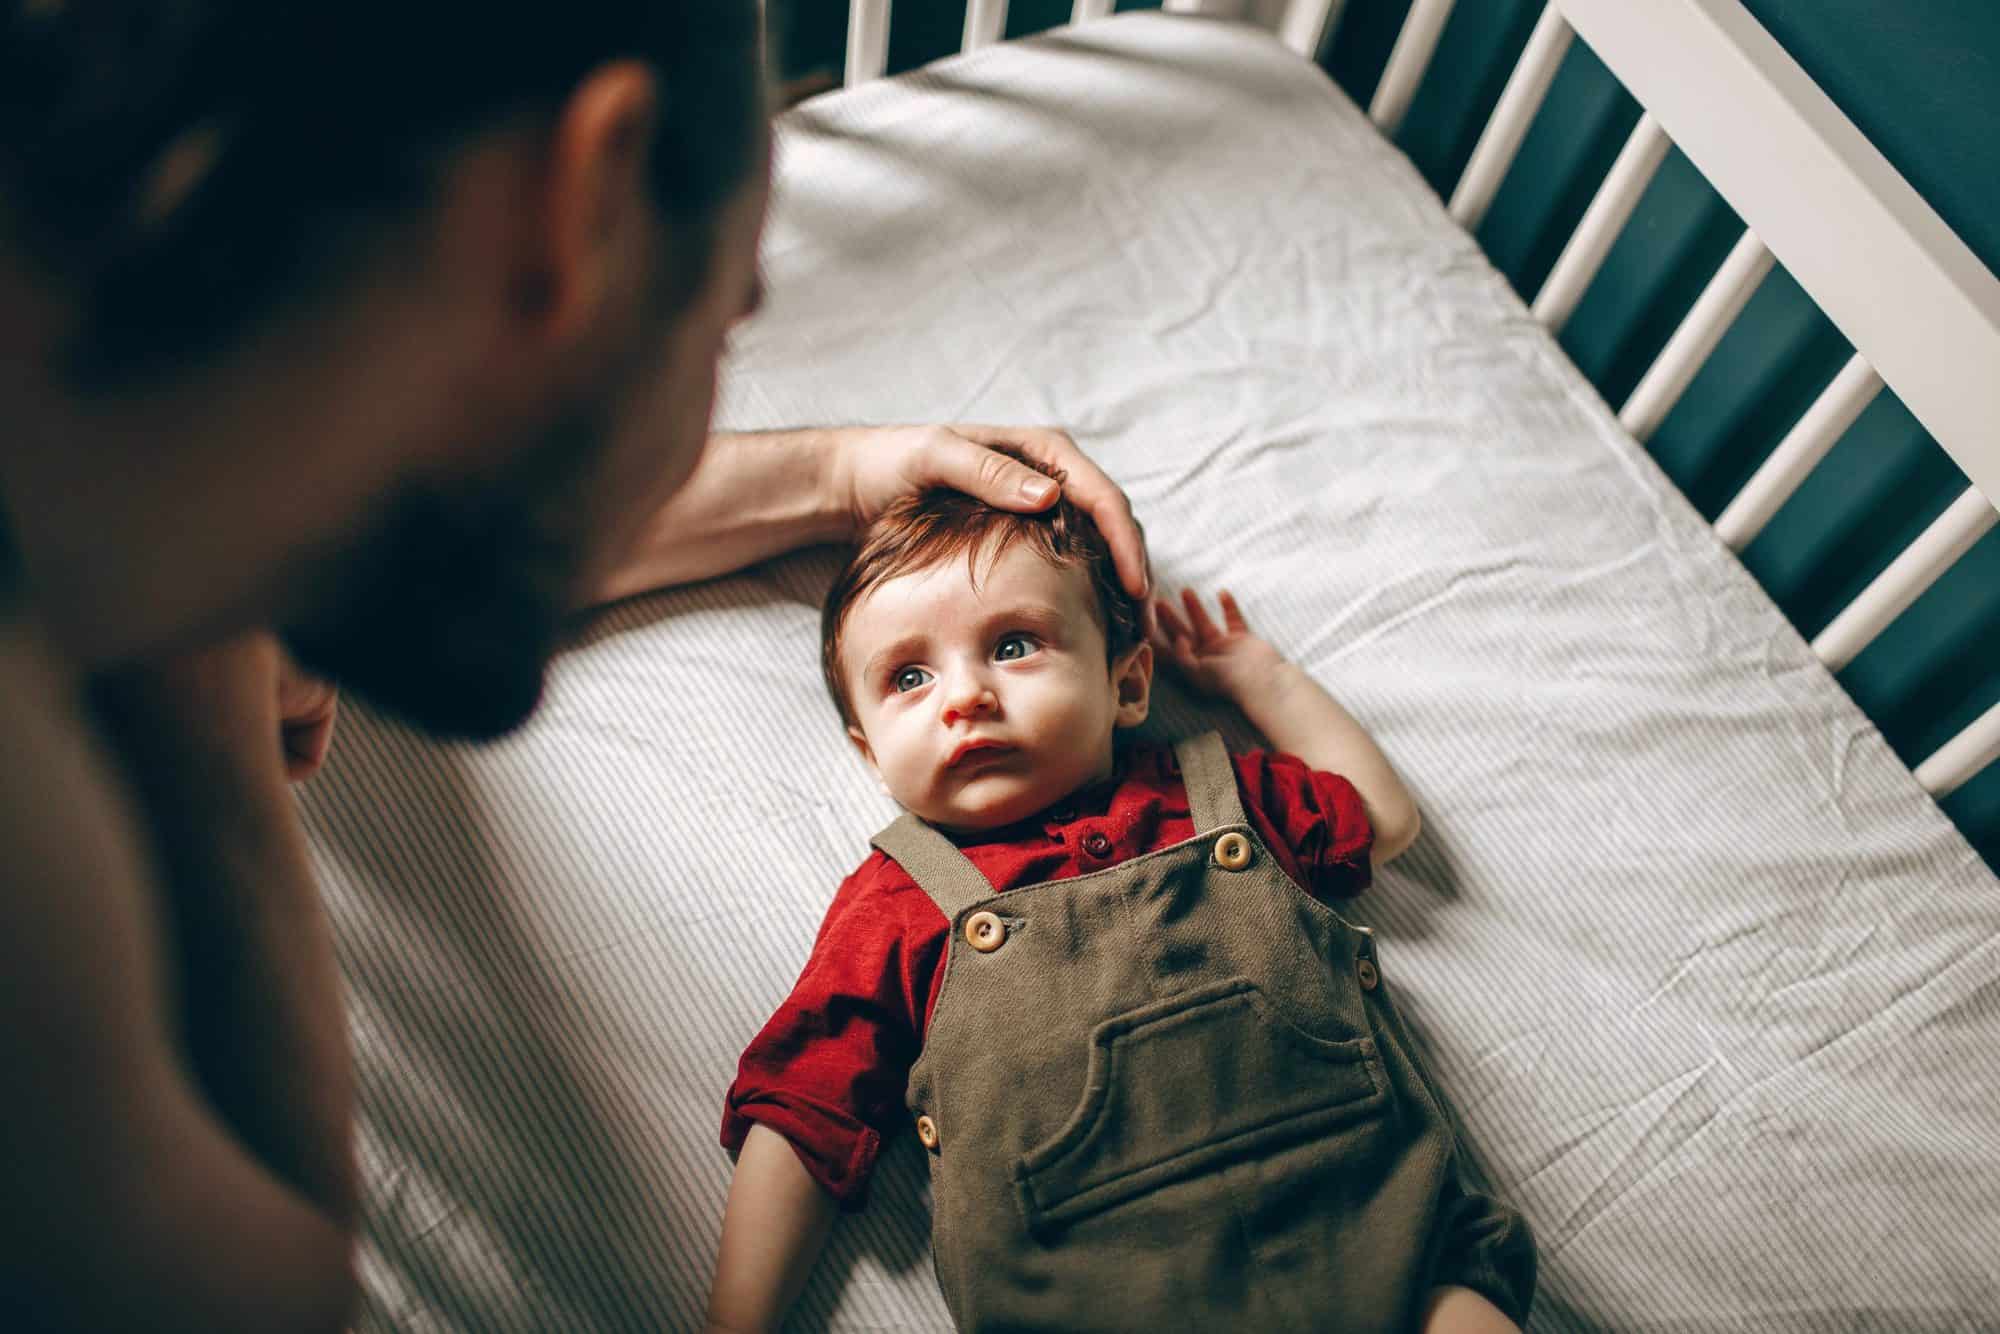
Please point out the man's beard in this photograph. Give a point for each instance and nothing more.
(447, 610)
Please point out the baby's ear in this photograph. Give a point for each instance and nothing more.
(1132, 679)
(860, 740)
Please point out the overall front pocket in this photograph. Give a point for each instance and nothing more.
(1185, 1085)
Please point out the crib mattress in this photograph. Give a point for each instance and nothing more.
(1712, 981)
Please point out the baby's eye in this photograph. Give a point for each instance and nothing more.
(1012, 647)
(908, 679)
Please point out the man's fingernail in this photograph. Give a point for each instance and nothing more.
(1038, 490)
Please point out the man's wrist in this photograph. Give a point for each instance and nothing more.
(834, 451)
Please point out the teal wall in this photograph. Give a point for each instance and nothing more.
(1923, 82)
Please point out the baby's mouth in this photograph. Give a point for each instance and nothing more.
(973, 747)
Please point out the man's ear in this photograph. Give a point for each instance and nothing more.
(1132, 679)
(592, 203)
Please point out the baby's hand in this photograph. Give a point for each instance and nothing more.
(1228, 660)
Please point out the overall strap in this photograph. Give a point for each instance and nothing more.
(1210, 779)
(936, 864)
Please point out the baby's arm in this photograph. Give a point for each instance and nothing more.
(772, 1232)
(1291, 709)
(1463, 1311)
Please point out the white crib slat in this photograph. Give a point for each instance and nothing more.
(1853, 389)
(1305, 25)
(1084, 10)
(1415, 45)
(1609, 209)
(985, 22)
(1958, 759)
(867, 40)
(1950, 536)
(1508, 125)
(1717, 307)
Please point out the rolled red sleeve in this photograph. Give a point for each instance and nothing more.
(829, 1070)
(1317, 819)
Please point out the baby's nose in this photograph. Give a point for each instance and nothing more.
(968, 699)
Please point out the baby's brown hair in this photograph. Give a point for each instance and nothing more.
(929, 528)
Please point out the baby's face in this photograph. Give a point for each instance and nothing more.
(979, 706)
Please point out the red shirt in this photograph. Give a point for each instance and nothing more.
(828, 1072)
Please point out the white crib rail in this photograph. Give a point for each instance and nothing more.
(1963, 756)
(985, 23)
(867, 40)
(1921, 313)
(1645, 148)
(1714, 311)
(1799, 452)
(1508, 125)
(1304, 25)
(1408, 59)
(1950, 536)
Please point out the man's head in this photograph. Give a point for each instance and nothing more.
(981, 659)
(387, 324)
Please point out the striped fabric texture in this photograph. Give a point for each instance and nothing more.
(1711, 980)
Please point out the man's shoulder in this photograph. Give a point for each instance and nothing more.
(42, 722)
(65, 833)
(42, 727)
(78, 935)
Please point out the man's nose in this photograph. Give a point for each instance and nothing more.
(968, 697)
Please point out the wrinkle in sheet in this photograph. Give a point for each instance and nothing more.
(1544, 1035)
(1455, 584)
(1607, 1194)
(1821, 970)
(1837, 1049)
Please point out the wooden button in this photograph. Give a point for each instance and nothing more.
(927, 1132)
(1232, 851)
(1364, 969)
(985, 932)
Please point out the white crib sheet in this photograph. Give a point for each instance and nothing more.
(1713, 982)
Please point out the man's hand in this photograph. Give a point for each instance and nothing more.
(222, 696)
(884, 463)
(760, 494)
(306, 709)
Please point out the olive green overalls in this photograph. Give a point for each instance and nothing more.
(1173, 1094)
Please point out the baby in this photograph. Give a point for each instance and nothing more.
(1158, 1078)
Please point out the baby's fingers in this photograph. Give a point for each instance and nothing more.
(1232, 615)
(1171, 630)
(1204, 628)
